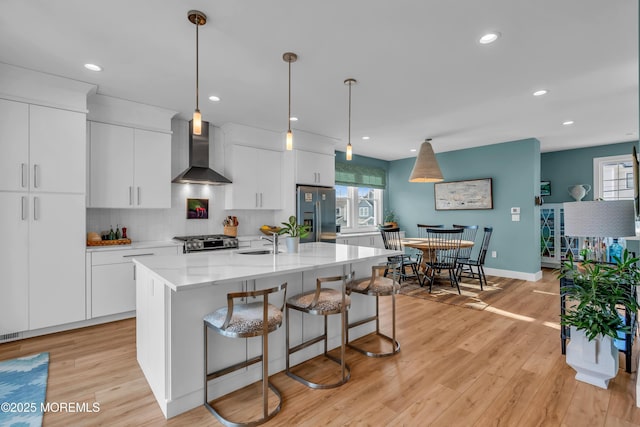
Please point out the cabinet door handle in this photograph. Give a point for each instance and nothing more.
(318, 177)
(131, 256)
(256, 200)
(138, 196)
(23, 174)
(260, 199)
(36, 184)
(131, 195)
(36, 205)
(24, 208)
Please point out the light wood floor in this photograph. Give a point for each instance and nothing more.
(457, 367)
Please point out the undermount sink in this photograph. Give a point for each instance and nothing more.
(256, 252)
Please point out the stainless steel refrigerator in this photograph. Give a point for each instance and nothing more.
(316, 207)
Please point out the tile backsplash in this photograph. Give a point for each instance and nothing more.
(164, 224)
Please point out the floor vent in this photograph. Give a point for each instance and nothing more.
(10, 337)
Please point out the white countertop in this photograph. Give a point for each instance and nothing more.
(135, 245)
(182, 272)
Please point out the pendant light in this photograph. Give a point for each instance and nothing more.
(426, 168)
(289, 57)
(350, 82)
(197, 18)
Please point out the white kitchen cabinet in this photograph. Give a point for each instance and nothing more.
(372, 240)
(14, 263)
(43, 149)
(111, 283)
(129, 168)
(256, 176)
(315, 168)
(43, 267)
(56, 259)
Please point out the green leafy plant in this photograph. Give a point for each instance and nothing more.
(293, 229)
(597, 290)
(390, 216)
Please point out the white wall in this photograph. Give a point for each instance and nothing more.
(164, 224)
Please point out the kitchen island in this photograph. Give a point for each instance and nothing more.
(174, 293)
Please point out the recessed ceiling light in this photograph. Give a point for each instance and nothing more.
(293, 119)
(366, 137)
(93, 67)
(413, 150)
(568, 122)
(540, 92)
(214, 98)
(489, 38)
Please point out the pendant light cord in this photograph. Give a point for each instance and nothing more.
(197, 63)
(350, 83)
(289, 117)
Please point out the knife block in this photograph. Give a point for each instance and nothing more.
(231, 230)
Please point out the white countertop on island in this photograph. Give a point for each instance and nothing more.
(182, 272)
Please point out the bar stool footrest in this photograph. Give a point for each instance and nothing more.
(251, 423)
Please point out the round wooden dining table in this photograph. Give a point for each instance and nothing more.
(426, 246)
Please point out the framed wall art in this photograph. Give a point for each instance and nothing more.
(197, 208)
(545, 188)
(463, 195)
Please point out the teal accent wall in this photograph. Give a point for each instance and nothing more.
(570, 167)
(515, 171)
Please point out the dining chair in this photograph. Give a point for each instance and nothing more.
(392, 241)
(442, 254)
(465, 267)
(422, 229)
(468, 234)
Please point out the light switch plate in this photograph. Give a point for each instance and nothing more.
(515, 210)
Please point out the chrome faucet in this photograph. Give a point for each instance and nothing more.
(273, 240)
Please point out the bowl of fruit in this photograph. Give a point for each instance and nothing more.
(269, 229)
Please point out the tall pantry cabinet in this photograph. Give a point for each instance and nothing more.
(42, 215)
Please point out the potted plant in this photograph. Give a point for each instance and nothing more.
(594, 293)
(390, 219)
(295, 231)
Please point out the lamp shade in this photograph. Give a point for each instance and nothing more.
(426, 168)
(611, 218)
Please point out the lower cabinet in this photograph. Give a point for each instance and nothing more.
(111, 281)
(369, 240)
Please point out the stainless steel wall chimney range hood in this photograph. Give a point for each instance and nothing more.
(198, 171)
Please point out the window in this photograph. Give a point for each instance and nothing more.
(359, 192)
(613, 177)
(358, 208)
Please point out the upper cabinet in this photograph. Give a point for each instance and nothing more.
(130, 168)
(254, 164)
(129, 154)
(43, 148)
(315, 168)
(256, 176)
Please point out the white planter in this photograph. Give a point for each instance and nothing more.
(292, 244)
(595, 362)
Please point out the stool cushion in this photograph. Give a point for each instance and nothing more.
(380, 286)
(246, 320)
(329, 301)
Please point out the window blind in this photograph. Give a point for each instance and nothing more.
(360, 176)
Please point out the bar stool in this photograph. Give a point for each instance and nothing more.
(246, 320)
(378, 285)
(322, 302)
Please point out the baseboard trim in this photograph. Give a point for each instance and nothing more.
(530, 277)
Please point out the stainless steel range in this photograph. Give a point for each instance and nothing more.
(208, 242)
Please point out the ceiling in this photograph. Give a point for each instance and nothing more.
(420, 69)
